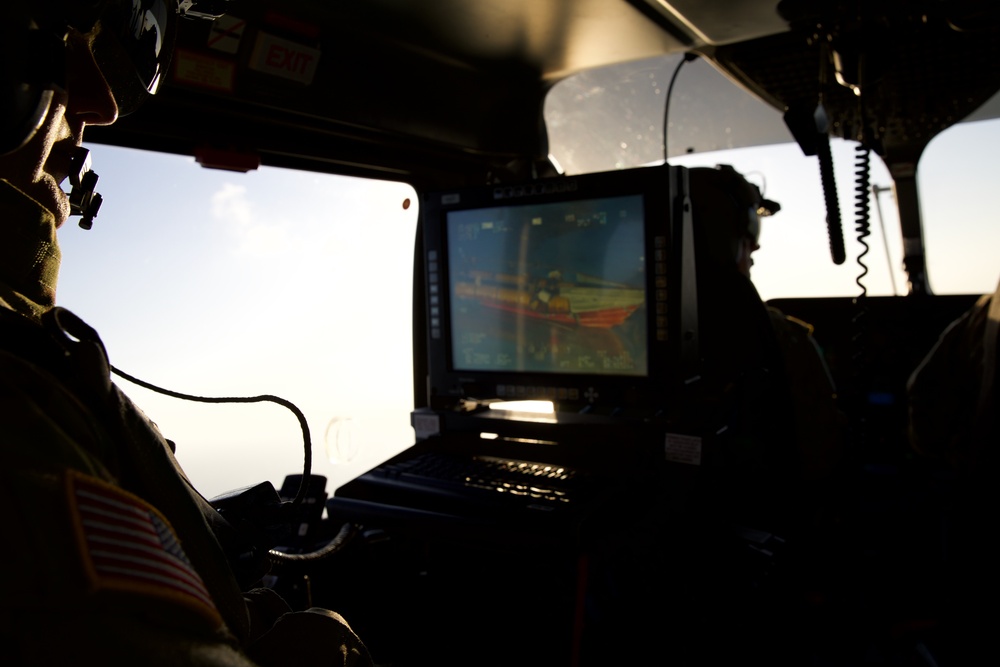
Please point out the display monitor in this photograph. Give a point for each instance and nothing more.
(556, 289)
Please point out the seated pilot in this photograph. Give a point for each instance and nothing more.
(954, 423)
(772, 398)
(691, 584)
(952, 393)
(109, 555)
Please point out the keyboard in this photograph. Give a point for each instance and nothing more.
(532, 484)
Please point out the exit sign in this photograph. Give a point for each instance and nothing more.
(284, 58)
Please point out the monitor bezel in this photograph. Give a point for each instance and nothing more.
(668, 322)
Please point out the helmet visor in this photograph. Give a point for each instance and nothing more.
(133, 48)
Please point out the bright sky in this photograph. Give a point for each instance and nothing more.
(273, 282)
(299, 285)
(961, 233)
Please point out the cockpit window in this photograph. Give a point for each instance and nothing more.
(958, 178)
(276, 281)
(613, 118)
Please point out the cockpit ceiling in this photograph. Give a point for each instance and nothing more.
(559, 37)
(390, 88)
(553, 38)
(896, 75)
(439, 90)
(713, 23)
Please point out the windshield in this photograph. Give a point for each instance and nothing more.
(276, 281)
(613, 118)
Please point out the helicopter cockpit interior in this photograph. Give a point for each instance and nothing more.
(608, 555)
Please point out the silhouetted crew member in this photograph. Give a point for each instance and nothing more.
(781, 428)
(109, 555)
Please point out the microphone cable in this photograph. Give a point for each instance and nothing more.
(306, 437)
(688, 57)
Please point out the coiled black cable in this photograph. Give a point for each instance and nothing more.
(859, 351)
(862, 208)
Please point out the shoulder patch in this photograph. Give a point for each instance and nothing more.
(127, 546)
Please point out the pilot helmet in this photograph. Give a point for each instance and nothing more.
(726, 210)
(132, 48)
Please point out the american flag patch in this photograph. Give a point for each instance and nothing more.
(127, 546)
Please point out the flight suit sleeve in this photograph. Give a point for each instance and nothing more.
(943, 391)
(92, 574)
(820, 426)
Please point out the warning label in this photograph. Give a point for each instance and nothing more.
(683, 449)
(226, 33)
(426, 425)
(196, 69)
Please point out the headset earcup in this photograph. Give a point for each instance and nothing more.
(32, 66)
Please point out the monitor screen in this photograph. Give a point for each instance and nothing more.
(556, 289)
